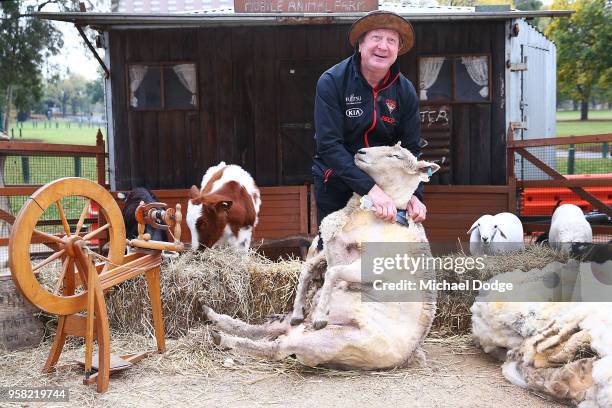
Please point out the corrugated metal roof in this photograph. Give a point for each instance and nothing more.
(227, 17)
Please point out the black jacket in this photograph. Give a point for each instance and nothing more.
(347, 119)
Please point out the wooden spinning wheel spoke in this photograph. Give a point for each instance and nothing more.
(50, 259)
(50, 237)
(63, 217)
(95, 232)
(60, 281)
(82, 217)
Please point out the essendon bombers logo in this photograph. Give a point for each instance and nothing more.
(391, 104)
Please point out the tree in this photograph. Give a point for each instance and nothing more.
(24, 43)
(95, 90)
(582, 42)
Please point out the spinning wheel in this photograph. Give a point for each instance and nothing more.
(24, 228)
(82, 280)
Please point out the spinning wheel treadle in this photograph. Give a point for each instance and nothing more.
(79, 268)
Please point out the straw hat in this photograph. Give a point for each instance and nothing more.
(383, 19)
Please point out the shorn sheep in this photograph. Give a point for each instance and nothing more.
(568, 225)
(564, 348)
(492, 234)
(352, 334)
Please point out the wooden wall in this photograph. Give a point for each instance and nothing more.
(256, 92)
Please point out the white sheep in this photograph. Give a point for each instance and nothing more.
(496, 233)
(568, 225)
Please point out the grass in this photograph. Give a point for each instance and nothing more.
(569, 124)
(593, 115)
(583, 128)
(58, 132)
(585, 166)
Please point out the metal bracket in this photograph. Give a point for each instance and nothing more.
(93, 50)
(518, 125)
(518, 66)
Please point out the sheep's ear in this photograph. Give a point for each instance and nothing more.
(194, 195)
(426, 169)
(473, 227)
(501, 231)
(398, 144)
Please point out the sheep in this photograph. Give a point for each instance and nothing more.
(568, 225)
(549, 344)
(349, 333)
(496, 233)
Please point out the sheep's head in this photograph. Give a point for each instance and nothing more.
(487, 228)
(395, 170)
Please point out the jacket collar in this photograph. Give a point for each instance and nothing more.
(356, 70)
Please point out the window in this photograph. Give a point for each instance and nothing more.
(454, 78)
(162, 86)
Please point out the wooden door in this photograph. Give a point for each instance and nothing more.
(298, 81)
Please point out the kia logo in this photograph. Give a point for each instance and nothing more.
(354, 112)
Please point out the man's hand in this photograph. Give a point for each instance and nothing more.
(416, 209)
(385, 208)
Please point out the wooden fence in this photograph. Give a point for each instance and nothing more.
(558, 180)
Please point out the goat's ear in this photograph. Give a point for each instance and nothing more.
(194, 195)
(473, 227)
(223, 205)
(398, 144)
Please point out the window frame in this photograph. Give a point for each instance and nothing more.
(162, 66)
(454, 57)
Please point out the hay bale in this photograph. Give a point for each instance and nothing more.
(253, 287)
(249, 287)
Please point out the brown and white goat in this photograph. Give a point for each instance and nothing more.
(224, 210)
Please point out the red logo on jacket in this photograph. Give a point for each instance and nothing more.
(391, 104)
(388, 119)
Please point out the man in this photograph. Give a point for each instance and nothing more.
(365, 101)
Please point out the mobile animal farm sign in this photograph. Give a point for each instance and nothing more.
(304, 6)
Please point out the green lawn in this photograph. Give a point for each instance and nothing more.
(60, 133)
(568, 123)
(593, 114)
(577, 128)
(585, 166)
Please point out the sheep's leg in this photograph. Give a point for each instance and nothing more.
(239, 328)
(307, 274)
(349, 273)
(311, 348)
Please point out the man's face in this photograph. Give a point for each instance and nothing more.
(379, 50)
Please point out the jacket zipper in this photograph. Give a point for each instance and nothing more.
(326, 175)
(375, 94)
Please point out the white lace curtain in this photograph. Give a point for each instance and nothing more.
(429, 69)
(478, 70)
(137, 74)
(187, 75)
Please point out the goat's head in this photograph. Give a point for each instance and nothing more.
(210, 219)
(395, 169)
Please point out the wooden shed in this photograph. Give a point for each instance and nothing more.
(186, 91)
